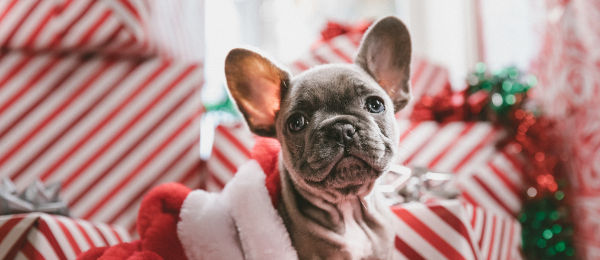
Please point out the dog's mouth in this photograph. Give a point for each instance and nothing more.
(348, 175)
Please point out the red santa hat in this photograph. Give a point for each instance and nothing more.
(161, 210)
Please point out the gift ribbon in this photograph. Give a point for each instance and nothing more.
(34, 198)
(334, 29)
(402, 184)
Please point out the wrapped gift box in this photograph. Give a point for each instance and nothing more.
(450, 229)
(108, 128)
(91, 97)
(119, 26)
(487, 176)
(232, 146)
(43, 236)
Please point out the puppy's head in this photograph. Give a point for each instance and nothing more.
(335, 123)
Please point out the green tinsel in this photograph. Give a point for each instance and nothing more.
(506, 87)
(546, 231)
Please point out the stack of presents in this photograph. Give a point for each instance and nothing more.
(89, 100)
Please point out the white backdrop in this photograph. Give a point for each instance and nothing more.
(444, 31)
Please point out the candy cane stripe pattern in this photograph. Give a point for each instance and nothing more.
(114, 26)
(453, 230)
(487, 177)
(43, 236)
(107, 128)
(231, 149)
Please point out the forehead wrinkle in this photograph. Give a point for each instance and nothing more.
(359, 88)
(330, 88)
(301, 104)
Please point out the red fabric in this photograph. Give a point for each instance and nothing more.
(334, 29)
(266, 153)
(160, 208)
(158, 217)
(130, 251)
(157, 226)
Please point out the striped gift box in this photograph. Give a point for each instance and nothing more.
(449, 229)
(107, 128)
(487, 177)
(456, 147)
(232, 146)
(498, 184)
(43, 236)
(110, 25)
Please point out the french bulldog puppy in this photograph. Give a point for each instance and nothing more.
(338, 134)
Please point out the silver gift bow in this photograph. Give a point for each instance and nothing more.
(34, 198)
(402, 184)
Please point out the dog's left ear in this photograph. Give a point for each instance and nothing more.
(256, 84)
(385, 54)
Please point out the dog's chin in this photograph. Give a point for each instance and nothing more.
(350, 175)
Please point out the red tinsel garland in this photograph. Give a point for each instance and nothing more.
(531, 135)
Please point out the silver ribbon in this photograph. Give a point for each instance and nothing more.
(34, 198)
(402, 184)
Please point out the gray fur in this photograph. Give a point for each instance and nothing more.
(329, 167)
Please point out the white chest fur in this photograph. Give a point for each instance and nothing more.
(358, 243)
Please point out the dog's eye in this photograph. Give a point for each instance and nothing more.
(297, 122)
(375, 105)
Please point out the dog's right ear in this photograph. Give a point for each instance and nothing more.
(256, 84)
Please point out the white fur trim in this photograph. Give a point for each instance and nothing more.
(238, 223)
(206, 229)
(262, 232)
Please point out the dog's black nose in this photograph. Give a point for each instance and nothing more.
(342, 132)
(348, 132)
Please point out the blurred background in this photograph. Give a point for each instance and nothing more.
(102, 100)
(456, 34)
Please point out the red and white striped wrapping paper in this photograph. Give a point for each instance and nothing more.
(487, 177)
(43, 236)
(449, 229)
(117, 26)
(231, 149)
(427, 78)
(107, 128)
